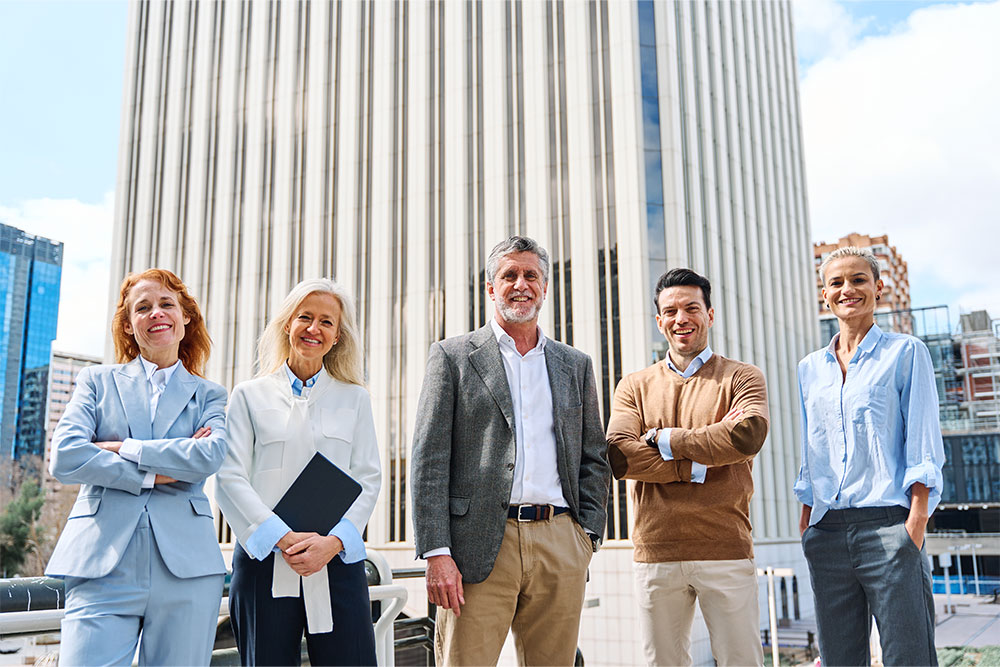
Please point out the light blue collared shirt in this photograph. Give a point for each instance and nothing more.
(265, 539)
(869, 436)
(698, 470)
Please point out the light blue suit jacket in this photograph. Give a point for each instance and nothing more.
(112, 403)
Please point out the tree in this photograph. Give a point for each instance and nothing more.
(18, 532)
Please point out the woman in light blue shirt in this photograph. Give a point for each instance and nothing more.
(870, 477)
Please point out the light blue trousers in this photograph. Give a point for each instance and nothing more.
(176, 617)
(863, 563)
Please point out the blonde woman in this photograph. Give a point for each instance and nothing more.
(870, 476)
(309, 397)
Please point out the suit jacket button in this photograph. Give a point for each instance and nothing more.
(510, 466)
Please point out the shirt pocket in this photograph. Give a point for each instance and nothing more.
(338, 423)
(869, 408)
(270, 433)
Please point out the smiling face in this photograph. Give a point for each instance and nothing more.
(156, 320)
(313, 330)
(850, 289)
(518, 288)
(684, 321)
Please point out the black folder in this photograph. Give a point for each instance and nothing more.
(318, 498)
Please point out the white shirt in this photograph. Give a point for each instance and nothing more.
(158, 378)
(536, 467)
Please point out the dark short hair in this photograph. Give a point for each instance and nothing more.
(680, 278)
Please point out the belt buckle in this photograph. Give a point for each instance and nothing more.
(520, 518)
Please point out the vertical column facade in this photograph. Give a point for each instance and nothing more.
(391, 145)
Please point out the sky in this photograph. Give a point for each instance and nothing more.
(899, 106)
(61, 72)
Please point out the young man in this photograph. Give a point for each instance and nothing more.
(687, 430)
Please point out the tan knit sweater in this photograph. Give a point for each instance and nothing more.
(676, 519)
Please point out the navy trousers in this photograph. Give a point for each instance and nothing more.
(863, 563)
(269, 630)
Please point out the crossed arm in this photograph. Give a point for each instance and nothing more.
(79, 459)
(736, 438)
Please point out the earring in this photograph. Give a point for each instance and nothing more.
(878, 296)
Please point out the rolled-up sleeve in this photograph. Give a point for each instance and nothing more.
(922, 443)
(803, 484)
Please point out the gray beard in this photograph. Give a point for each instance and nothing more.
(509, 314)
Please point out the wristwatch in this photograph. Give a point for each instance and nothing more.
(651, 437)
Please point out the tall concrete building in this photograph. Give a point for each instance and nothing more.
(392, 144)
(63, 369)
(30, 271)
(894, 306)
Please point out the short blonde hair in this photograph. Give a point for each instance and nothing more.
(851, 251)
(344, 360)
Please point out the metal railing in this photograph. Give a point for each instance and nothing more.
(34, 605)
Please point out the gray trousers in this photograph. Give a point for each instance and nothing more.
(863, 563)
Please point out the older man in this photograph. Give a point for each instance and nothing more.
(687, 430)
(510, 476)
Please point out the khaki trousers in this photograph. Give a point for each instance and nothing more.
(726, 590)
(535, 589)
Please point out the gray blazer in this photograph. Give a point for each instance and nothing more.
(112, 403)
(463, 448)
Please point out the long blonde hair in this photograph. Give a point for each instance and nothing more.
(344, 360)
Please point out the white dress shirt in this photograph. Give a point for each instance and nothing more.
(157, 379)
(536, 466)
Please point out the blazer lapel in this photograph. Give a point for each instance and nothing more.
(130, 380)
(559, 380)
(486, 359)
(175, 396)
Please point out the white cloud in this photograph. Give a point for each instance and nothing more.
(85, 231)
(901, 138)
(824, 28)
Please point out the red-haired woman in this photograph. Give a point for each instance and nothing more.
(139, 550)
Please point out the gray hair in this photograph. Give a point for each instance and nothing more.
(851, 251)
(343, 361)
(509, 247)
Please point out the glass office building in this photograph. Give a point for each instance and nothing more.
(30, 270)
